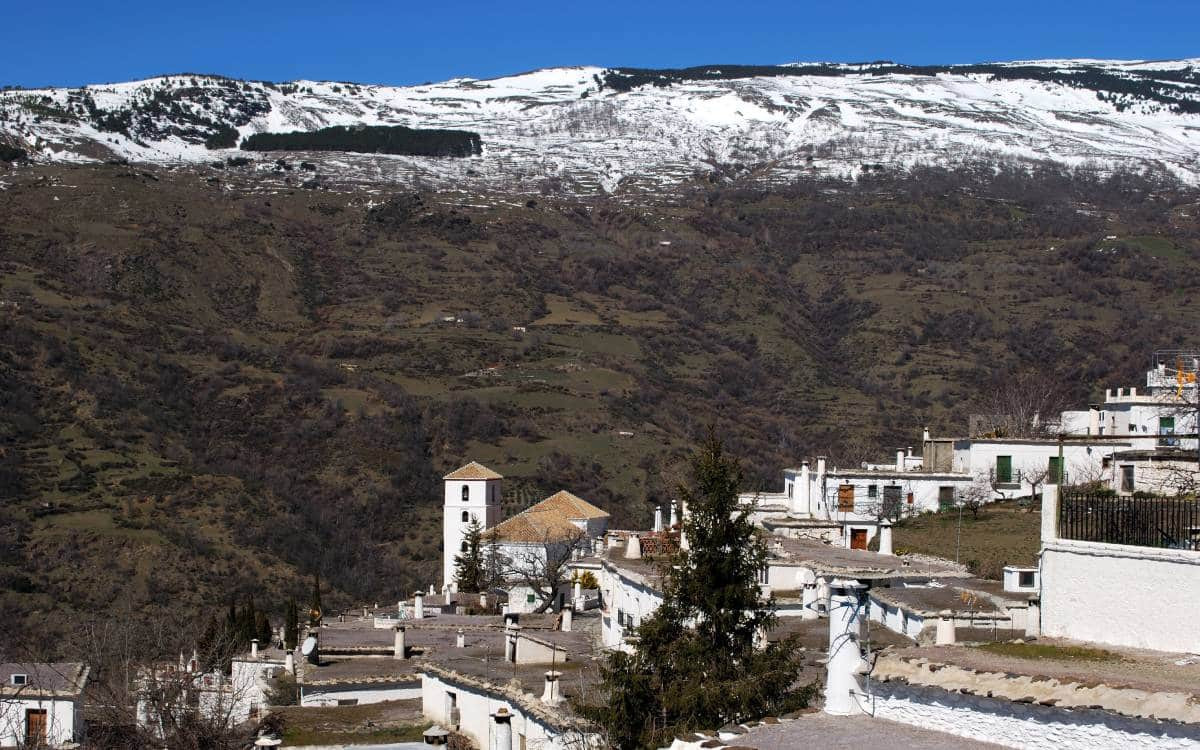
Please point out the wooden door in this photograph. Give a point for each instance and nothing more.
(858, 538)
(35, 727)
(846, 498)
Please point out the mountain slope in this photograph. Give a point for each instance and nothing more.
(592, 129)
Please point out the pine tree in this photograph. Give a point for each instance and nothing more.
(470, 573)
(696, 665)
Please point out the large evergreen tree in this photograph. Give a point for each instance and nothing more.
(291, 626)
(696, 665)
(470, 568)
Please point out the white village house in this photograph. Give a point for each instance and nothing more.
(41, 704)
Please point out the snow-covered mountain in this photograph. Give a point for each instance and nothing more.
(594, 129)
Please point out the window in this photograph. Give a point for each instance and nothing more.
(1025, 579)
(945, 497)
(1004, 473)
(466, 493)
(347, 701)
(1166, 428)
(764, 575)
(1127, 478)
(789, 489)
(466, 516)
(464, 545)
(1054, 474)
(872, 490)
(529, 598)
(20, 679)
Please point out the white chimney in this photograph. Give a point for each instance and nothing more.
(801, 492)
(945, 629)
(431, 591)
(633, 548)
(483, 600)
(289, 662)
(511, 634)
(909, 455)
(398, 648)
(253, 648)
(885, 538)
(365, 613)
(899, 460)
(674, 516)
(400, 606)
(658, 518)
(550, 695)
(194, 664)
(418, 606)
(567, 615)
(461, 642)
(925, 437)
(502, 730)
(683, 542)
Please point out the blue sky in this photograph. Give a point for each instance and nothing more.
(69, 43)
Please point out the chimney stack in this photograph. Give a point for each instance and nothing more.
(658, 518)
(431, 591)
(483, 600)
(502, 731)
(683, 542)
(289, 663)
(512, 632)
(550, 695)
(925, 437)
(885, 538)
(418, 606)
(801, 492)
(567, 616)
(399, 651)
(461, 642)
(674, 516)
(899, 460)
(253, 648)
(945, 629)
(633, 548)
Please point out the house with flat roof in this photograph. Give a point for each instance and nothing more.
(41, 703)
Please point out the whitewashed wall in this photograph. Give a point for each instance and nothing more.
(623, 593)
(62, 720)
(1121, 595)
(475, 709)
(1024, 725)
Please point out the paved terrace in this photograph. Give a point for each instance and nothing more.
(818, 730)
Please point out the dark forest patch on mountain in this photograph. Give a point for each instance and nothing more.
(371, 139)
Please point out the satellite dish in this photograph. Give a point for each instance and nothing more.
(310, 644)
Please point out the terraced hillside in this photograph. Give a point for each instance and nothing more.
(210, 389)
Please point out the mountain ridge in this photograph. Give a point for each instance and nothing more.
(588, 129)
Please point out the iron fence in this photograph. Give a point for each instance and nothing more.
(1165, 522)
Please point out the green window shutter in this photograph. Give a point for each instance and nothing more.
(1004, 469)
(1166, 425)
(1055, 471)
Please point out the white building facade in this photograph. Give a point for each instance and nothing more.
(41, 704)
(472, 492)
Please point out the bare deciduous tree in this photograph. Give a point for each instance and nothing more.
(542, 566)
(1027, 405)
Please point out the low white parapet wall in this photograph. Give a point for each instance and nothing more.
(1139, 597)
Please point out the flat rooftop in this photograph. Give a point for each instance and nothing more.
(861, 564)
(1116, 667)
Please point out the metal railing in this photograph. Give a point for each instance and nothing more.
(1163, 522)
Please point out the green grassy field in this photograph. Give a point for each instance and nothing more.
(1002, 534)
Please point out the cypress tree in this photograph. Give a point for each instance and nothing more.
(291, 625)
(696, 664)
(470, 574)
(314, 611)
